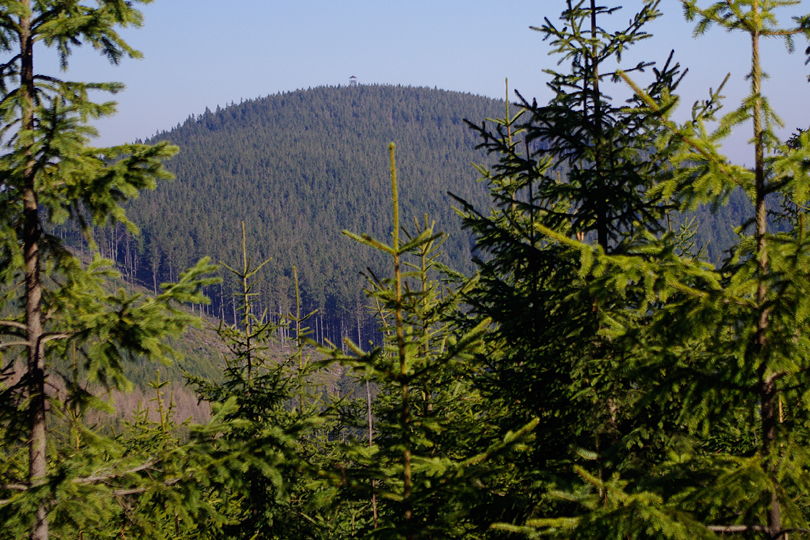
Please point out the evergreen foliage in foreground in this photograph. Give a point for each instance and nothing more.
(696, 373)
(278, 413)
(423, 464)
(580, 165)
(603, 380)
(68, 332)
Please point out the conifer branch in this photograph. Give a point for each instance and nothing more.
(49, 79)
(12, 324)
(8, 97)
(8, 22)
(10, 344)
(10, 63)
(117, 474)
(731, 529)
(508, 440)
(692, 142)
(781, 33)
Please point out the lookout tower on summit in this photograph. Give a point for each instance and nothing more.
(353, 80)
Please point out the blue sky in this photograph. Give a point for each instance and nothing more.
(204, 53)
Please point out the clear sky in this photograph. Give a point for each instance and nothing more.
(204, 53)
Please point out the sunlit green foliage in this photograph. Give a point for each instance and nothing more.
(423, 464)
(601, 376)
(715, 356)
(65, 334)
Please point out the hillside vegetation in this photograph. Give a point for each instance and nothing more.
(300, 167)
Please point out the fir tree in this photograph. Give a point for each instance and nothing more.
(424, 464)
(52, 301)
(719, 353)
(580, 165)
(276, 420)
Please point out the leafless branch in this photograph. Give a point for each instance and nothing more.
(110, 476)
(14, 344)
(51, 337)
(130, 491)
(99, 479)
(12, 324)
(730, 529)
(139, 490)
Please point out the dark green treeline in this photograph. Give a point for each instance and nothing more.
(298, 168)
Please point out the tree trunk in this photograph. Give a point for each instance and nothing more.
(768, 391)
(32, 232)
(370, 444)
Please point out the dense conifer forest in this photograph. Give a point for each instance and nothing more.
(576, 361)
(298, 168)
(291, 167)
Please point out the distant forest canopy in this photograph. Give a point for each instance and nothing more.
(299, 167)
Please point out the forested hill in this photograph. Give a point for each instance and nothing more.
(298, 168)
(301, 166)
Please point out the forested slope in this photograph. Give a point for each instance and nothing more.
(298, 168)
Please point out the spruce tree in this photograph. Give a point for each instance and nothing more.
(53, 302)
(719, 353)
(582, 166)
(750, 349)
(424, 463)
(274, 421)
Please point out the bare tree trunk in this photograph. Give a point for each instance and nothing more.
(233, 308)
(114, 244)
(155, 265)
(370, 418)
(32, 232)
(768, 391)
(371, 443)
(221, 304)
(247, 320)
